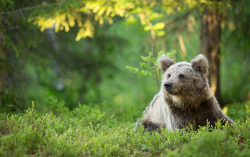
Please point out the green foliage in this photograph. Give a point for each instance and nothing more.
(149, 67)
(235, 38)
(86, 132)
(215, 143)
(94, 116)
(66, 14)
(93, 73)
(237, 87)
(239, 110)
(10, 102)
(7, 4)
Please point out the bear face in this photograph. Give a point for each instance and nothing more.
(183, 83)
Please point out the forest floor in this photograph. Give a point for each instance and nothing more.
(82, 133)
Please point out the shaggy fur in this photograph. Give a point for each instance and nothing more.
(185, 97)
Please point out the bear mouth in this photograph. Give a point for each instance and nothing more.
(170, 88)
(173, 91)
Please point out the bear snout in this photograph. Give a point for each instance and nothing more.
(170, 88)
(167, 86)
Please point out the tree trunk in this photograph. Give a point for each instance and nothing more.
(2, 65)
(210, 47)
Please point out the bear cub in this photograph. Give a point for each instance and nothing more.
(185, 98)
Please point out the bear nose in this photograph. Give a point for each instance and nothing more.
(167, 85)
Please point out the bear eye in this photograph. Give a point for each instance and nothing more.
(169, 75)
(181, 76)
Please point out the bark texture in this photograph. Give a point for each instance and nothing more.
(210, 47)
(2, 64)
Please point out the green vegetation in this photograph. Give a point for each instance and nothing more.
(60, 54)
(94, 131)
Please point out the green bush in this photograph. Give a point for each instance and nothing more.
(239, 110)
(91, 131)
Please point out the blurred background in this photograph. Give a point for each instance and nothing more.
(62, 53)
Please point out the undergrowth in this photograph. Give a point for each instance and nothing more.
(90, 131)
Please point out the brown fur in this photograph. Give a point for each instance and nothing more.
(189, 99)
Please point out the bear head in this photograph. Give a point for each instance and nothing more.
(185, 84)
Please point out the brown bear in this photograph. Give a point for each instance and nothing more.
(185, 98)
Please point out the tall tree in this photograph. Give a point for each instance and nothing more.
(2, 63)
(210, 46)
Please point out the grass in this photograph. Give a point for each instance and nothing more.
(91, 131)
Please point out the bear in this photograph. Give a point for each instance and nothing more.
(185, 98)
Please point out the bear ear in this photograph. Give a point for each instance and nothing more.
(165, 62)
(200, 64)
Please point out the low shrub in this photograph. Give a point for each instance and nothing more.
(90, 131)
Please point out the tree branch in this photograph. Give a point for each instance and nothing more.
(30, 8)
(152, 36)
(182, 17)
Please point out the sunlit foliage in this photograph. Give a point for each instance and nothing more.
(87, 14)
